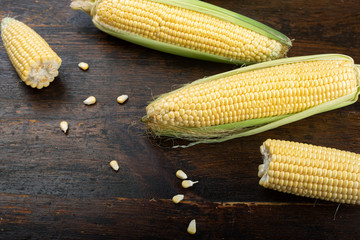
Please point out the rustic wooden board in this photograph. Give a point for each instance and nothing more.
(56, 186)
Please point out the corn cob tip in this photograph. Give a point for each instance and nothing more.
(5, 21)
(264, 168)
(34, 61)
(86, 6)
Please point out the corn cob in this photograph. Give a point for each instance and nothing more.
(188, 28)
(254, 99)
(310, 171)
(34, 61)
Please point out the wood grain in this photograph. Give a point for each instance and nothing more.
(57, 186)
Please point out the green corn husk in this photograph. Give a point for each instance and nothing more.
(224, 132)
(91, 7)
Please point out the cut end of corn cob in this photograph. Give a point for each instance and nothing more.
(310, 171)
(35, 62)
(255, 98)
(189, 28)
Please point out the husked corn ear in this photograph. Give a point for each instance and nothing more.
(208, 32)
(254, 95)
(34, 61)
(310, 171)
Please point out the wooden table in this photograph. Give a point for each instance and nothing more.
(57, 186)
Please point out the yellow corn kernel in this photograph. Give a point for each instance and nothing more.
(64, 126)
(34, 61)
(266, 92)
(310, 171)
(122, 98)
(181, 174)
(83, 66)
(90, 100)
(192, 227)
(178, 198)
(189, 29)
(114, 165)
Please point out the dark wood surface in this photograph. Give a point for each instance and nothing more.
(56, 186)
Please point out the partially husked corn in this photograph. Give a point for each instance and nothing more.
(310, 171)
(34, 61)
(260, 93)
(215, 33)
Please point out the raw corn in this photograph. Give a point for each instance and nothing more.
(181, 174)
(310, 171)
(254, 99)
(83, 66)
(122, 98)
(188, 28)
(90, 100)
(188, 183)
(34, 61)
(64, 126)
(192, 227)
(177, 198)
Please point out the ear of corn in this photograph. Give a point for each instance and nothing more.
(254, 99)
(189, 28)
(34, 61)
(310, 171)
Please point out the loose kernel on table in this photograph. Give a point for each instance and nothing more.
(180, 174)
(114, 165)
(178, 198)
(64, 126)
(83, 66)
(192, 227)
(121, 99)
(90, 100)
(188, 183)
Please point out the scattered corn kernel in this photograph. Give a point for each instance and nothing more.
(121, 99)
(188, 183)
(83, 66)
(114, 165)
(90, 100)
(192, 227)
(180, 174)
(178, 198)
(64, 126)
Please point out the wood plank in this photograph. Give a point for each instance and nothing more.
(122, 218)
